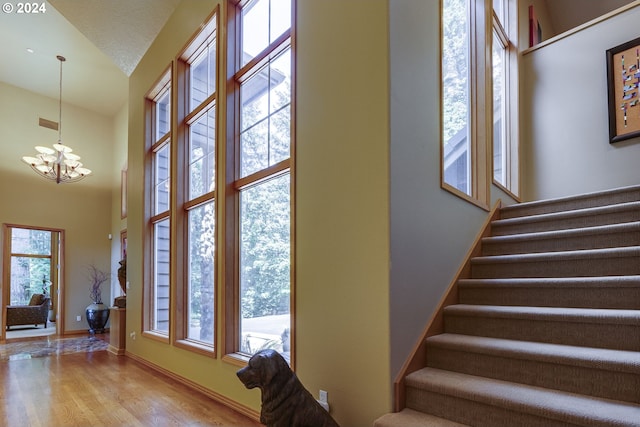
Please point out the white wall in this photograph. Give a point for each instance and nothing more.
(431, 229)
(564, 110)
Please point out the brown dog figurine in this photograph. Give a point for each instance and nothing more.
(285, 401)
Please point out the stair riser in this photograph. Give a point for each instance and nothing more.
(591, 297)
(575, 379)
(474, 413)
(597, 241)
(599, 335)
(571, 222)
(560, 267)
(624, 196)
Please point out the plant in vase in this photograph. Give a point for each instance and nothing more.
(97, 312)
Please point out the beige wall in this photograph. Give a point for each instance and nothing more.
(118, 224)
(82, 209)
(342, 217)
(342, 247)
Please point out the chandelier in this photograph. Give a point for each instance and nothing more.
(57, 164)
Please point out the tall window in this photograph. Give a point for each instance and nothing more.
(158, 213)
(455, 94)
(505, 130)
(197, 190)
(259, 172)
(464, 160)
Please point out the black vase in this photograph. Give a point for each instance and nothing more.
(97, 317)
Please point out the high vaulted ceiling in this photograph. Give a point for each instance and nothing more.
(103, 41)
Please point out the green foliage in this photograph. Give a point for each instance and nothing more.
(265, 248)
(30, 272)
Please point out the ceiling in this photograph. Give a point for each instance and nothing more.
(103, 41)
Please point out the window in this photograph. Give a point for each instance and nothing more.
(455, 94)
(505, 129)
(157, 212)
(259, 164)
(463, 103)
(196, 196)
(499, 135)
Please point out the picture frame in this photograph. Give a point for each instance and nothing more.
(623, 91)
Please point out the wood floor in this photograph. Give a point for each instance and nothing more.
(101, 389)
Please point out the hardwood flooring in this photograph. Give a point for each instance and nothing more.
(101, 389)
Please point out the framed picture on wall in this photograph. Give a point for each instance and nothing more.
(623, 81)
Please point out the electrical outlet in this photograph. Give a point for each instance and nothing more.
(133, 335)
(78, 318)
(323, 396)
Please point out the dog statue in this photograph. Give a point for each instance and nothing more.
(285, 401)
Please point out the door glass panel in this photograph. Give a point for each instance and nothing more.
(29, 276)
(30, 264)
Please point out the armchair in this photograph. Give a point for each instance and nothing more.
(33, 314)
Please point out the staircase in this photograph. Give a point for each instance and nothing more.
(547, 329)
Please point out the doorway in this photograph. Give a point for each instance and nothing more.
(32, 266)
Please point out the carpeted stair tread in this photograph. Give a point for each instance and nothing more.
(597, 358)
(631, 251)
(588, 262)
(604, 373)
(597, 216)
(615, 292)
(553, 282)
(547, 404)
(546, 328)
(581, 201)
(564, 314)
(596, 237)
(602, 328)
(410, 418)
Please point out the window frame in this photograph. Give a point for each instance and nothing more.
(235, 183)
(480, 102)
(187, 115)
(153, 145)
(507, 32)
